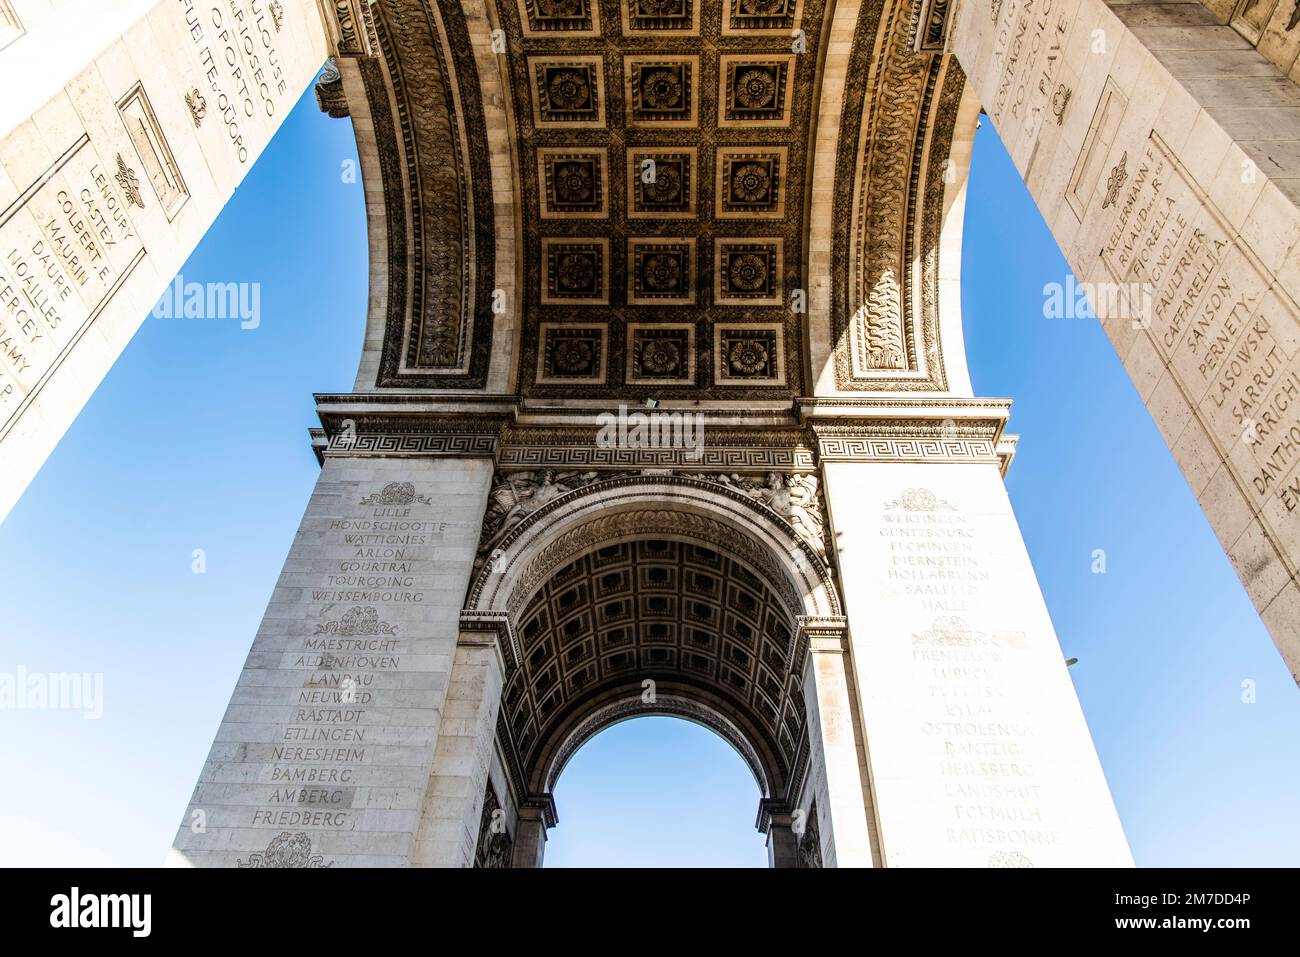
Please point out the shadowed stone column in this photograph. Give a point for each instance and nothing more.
(1164, 154)
(782, 842)
(846, 826)
(536, 814)
(978, 751)
(359, 712)
(449, 826)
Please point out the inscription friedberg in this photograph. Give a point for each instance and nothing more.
(345, 662)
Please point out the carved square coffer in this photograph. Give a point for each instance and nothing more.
(572, 183)
(572, 353)
(661, 182)
(576, 271)
(660, 91)
(751, 182)
(568, 18)
(755, 92)
(760, 17)
(661, 17)
(747, 272)
(568, 91)
(661, 271)
(661, 354)
(748, 354)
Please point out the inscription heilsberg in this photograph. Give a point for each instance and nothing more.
(984, 758)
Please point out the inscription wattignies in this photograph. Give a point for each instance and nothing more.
(342, 728)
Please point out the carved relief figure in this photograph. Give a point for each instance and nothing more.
(519, 494)
(793, 497)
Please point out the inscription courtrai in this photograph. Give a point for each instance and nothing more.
(350, 664)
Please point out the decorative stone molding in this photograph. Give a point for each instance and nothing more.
(437, 190)
(491, 623)
(634, 506)
(495, 845)
(330, 97)
(895, 134)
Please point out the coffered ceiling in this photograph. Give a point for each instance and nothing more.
(709, 199)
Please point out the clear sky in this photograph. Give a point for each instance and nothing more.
(197, 439)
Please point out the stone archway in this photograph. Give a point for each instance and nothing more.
(657, 595)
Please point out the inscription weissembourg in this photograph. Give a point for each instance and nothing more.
(65, 245)
(351, 661)
(1228, 333)
(982, 758)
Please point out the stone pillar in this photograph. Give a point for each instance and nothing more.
(449, 825)
(125, 126)
(1164, 154)
(782, 842)
(326, 754)
(536, 814)
(977, 748)
(846, 825)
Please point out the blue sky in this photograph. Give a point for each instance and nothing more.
(197, 440)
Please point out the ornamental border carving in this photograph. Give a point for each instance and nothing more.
(418, 197)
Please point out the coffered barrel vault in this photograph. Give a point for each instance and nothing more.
(581, 200)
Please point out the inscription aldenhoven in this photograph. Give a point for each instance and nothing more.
(350, 666)
(982, 735)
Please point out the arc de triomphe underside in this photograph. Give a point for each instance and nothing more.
(662, 407)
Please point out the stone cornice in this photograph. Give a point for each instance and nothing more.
(948, 429)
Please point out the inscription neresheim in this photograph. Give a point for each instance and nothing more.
(314, 770)
(936, 565)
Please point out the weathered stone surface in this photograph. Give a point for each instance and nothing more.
(124, 128)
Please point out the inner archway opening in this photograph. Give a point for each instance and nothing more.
(656, 791)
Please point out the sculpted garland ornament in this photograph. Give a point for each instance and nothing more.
(287, 850)
(398, 494)
(360, 621)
